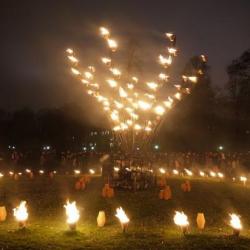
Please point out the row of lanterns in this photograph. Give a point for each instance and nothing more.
(30, 173)
(210, 173)
(73, 215)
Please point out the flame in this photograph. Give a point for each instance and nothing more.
(112, 44)
(135, 79)
(180, 219)
(202, 173)
(243, 179)
(21, 212)
(163, 77)
(106, 60)
(144, 105)
(116, 169)
(220, 175)
(77, 171)
(69, 51)
(91, 171)
(104, 32)
(162, 170)
(152, 85)
(112, 83)
(115, 71)
(177, 95)
(188, 172)
(75, 71)
(172, 51)
(168, 104)
(88, 75)
(192, 79)
(73, 59)
(212, 174)
(130, 86)
(121, 215)
(122, 93)
(235, 221)
(165, 61)
(175, 172)
(137, 127)
(159, 110)
(72, 212)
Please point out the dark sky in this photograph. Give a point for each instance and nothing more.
(34, 35)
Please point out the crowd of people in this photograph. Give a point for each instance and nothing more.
(51, 159)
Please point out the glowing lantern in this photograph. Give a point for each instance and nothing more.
(235, 223)
(181, 220)
(21, 214)
(1, 175)
(72, 213)
(101, 219)
(123, 218)
(200, 220)
(3, 213)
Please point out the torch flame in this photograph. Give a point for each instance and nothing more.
(121, 215)
(72, 212)
(21, 212)
(180, 219)
(235, 221)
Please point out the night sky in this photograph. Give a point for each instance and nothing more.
(35, 34)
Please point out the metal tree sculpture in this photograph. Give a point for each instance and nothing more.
(135, 108)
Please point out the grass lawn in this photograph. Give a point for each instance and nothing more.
(151, 225)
